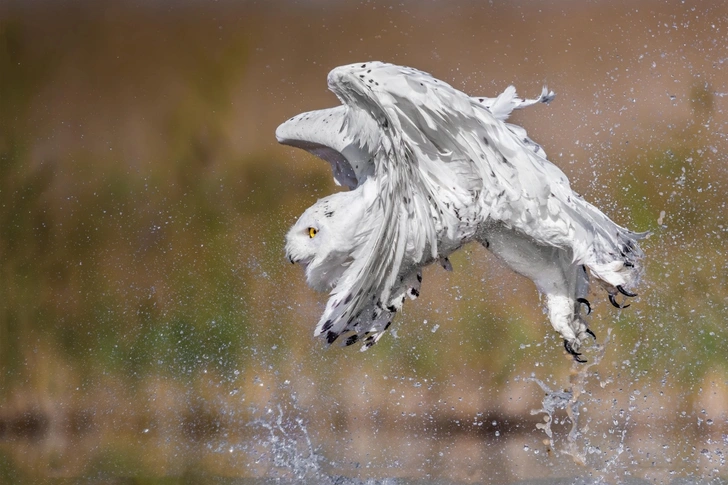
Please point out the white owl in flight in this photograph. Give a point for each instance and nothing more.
(430, 169)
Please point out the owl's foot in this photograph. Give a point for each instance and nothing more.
(569, 346)
(566, 315)
(581, 334)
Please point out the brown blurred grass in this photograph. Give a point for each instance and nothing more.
(143, 204)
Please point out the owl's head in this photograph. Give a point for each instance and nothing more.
(326, 236)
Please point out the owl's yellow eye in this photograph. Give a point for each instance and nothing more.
(312, 232)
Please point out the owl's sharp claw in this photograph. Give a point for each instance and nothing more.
(584, 301)
(576, 355)
(625, 292)
(614, 302)
(591, 333)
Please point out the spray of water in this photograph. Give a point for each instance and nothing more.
(576, 445)
(286, 445)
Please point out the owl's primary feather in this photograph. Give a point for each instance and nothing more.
(431, 169)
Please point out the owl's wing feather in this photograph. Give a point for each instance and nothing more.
(503, 105)
(400, 214)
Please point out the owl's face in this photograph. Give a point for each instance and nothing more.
(325, 237)
(305, 239)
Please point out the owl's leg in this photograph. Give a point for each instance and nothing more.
(565, 299)
(563, 283)
(372, 330)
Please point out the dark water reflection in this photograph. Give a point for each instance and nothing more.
(151, 330)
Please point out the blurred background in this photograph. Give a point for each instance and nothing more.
(150, 326)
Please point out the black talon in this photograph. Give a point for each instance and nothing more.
(625, 292)
(585, 302)
(591, 333)
(568, 348)
(614, 302)
(576, 355)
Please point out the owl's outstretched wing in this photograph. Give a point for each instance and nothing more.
(347, 138)
(399, 221)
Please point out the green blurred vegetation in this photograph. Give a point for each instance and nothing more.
(74, 243)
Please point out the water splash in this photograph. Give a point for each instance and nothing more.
(290, 454)
(287, 445)
(569, 400)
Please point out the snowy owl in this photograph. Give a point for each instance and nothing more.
(430, 169)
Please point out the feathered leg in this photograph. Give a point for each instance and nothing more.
(377, 318)
(563, 283)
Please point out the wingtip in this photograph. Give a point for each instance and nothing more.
(279, 135)
(282, 132)
(289, 132)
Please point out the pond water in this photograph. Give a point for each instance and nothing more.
(151, 329)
